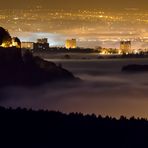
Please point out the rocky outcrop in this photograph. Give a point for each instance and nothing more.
(29, 70)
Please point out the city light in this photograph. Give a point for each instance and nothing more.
(91, 25)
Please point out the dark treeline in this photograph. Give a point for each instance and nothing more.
(36, 129)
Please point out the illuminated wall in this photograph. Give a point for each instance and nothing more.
(71, 43)
(125, 47)
(27, 45)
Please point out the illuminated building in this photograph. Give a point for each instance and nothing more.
(125, 47)
(27, 45)
(42, 44)
(71, 43)
(42, 41)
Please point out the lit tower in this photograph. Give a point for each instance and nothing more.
(125, 47)
(71, 43)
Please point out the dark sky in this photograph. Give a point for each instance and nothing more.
(74, 4)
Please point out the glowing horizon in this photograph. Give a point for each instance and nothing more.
(91, 28)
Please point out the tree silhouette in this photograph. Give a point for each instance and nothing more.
(17, 42)
(4, 37)
(55, 129)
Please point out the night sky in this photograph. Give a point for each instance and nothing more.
(76, 4)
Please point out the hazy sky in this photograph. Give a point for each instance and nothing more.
(90, 29)
(85, 4)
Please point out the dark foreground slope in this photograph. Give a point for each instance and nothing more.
(16, 69)
(22, 128)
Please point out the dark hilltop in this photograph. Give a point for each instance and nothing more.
(20, 67)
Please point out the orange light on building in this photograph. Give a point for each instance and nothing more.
(71, 44)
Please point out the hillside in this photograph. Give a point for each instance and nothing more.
(36, 129)
(28, 70)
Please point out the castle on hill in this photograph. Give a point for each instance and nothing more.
(10, 48)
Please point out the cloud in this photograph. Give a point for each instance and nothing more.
(105, 90)
(101, 95)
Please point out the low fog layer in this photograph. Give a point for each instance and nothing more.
(105, 90)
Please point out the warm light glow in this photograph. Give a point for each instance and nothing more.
(15, 44)
(5, 45)
(71, 44)
(119, 52)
